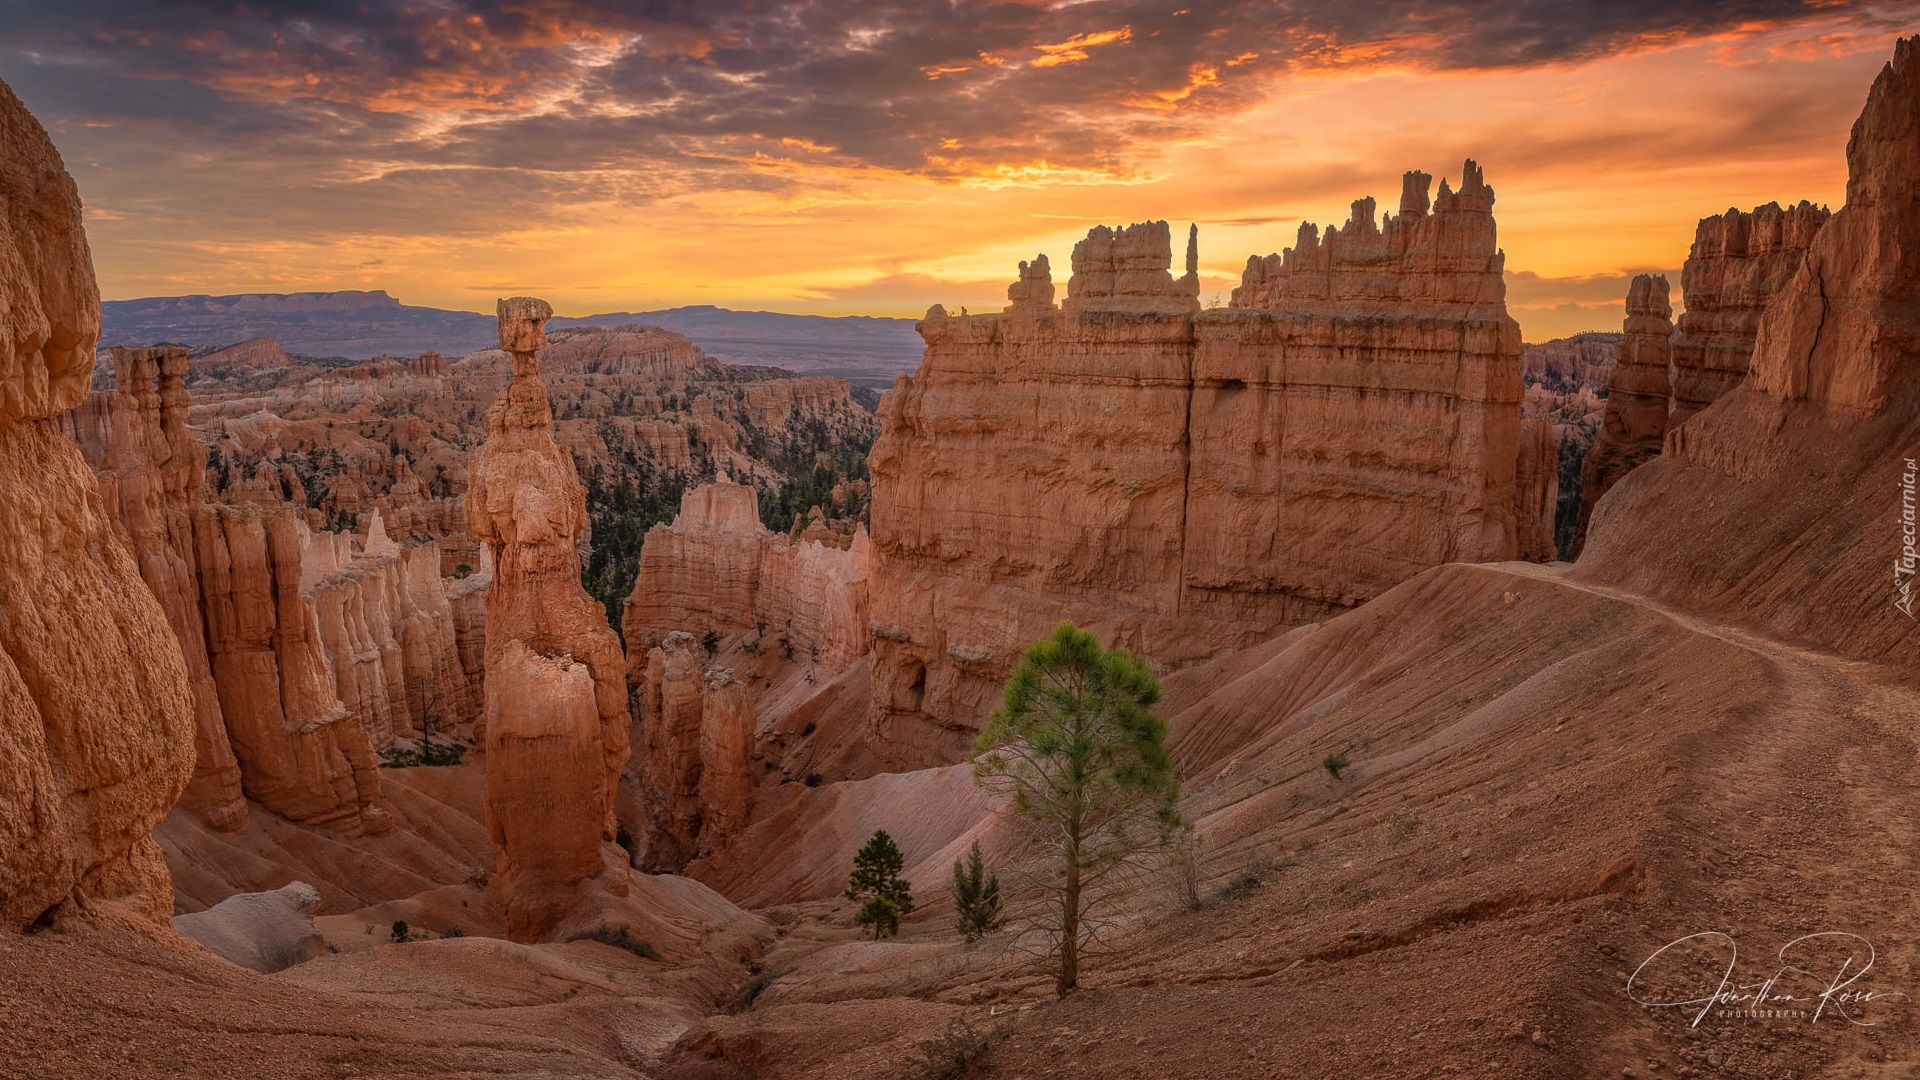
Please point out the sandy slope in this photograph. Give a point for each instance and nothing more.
(1550, 779)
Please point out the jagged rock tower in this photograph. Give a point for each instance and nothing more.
(556, 721)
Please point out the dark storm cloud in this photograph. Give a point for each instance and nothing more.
(939, 89)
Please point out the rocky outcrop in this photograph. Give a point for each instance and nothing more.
(1634, 424)
(644, 351)
(96, 709)
(1813, 451)
(150, 468)
(700, 574)
(467, 604)
(260, 931)
(1185, 481)
(1536, 491)
(389, 631)
(718, 581)
(1740, 260)
(302, 752)
(290, 605)
(814, 598)
(1571, 364)
(556, 730)
(695, 777)
(717, 569)
(545, 772)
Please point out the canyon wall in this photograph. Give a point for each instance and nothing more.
(1634, 424)
(1739, 261)
(387, 623)
(150, 468)
(1536, 491)
(305, 654)
(97, 713)
(716, 568)
(302, 753)
(556, 696)
(696, 781)
(717, 583)
(1811, 456)
(1185, 481)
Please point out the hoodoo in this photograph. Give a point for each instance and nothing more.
(1635, 421)
(1187, 481)
(556, 715)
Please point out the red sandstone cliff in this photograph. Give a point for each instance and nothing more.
(1808, 461)
(97, 713)
(1634, 423)
(150, 468)
(1186, 481)
(717, 568)
(328, 652)
(723, 614)
(301, 751)
(1739, 261)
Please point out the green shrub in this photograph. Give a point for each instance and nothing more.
(400, 930)
(1333, 763)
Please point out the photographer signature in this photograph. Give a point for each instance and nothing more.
(1837, 993)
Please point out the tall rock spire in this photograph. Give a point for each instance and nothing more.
(556, 718)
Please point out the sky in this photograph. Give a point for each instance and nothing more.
(871, 157)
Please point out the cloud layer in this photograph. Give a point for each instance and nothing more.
(256, 145)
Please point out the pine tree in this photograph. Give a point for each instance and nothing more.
(881, 913)
(876, 879)
(976, 896)
(1084, 759)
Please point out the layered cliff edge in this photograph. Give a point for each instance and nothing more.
(1187, 481)
(1797, 483)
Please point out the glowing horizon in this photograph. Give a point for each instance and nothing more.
(852, 161)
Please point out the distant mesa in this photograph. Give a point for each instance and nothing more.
(360, 325)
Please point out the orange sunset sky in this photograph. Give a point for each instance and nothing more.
(875, 158)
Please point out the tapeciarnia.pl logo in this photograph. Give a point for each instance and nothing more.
(1903, 567)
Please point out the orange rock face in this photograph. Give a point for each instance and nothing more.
(150, 468)
(1536, 491)
(768, 600)
(527, 505)
(1635, 421)
(1738, 263)
(265, 610)
(699, 574)
(1182, 480)
(717, 568)
(96, 709)
(545, 772)
(301, 751)
(696, 781)
(1814, 451)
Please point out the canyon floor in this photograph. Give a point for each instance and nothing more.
(1550, 780)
